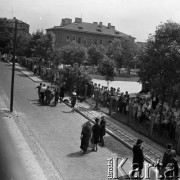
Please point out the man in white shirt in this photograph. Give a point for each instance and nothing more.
(42, 91)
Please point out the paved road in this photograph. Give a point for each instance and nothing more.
(53, 133)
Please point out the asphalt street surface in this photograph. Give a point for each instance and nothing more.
(56, 132)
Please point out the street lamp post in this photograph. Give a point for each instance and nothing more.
(13, 66)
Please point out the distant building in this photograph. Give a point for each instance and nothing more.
(21, 26)
(85, 33)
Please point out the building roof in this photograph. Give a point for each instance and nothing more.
(94, 28)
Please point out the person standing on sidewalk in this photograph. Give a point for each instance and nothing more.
(73, 100)
(56, 96)
(35, 69)
(48, 95)
(138, 158)
(102, 130)
(170, 157)
(85, 136)
(95, 135)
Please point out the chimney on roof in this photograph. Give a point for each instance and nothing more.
(100, 24)
(62, 22)
(112, 27)
(95, 23)
(66, 21)
(78, 20)
(109, 25)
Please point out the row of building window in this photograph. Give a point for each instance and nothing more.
(83, 40)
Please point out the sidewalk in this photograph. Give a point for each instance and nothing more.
(28, 73)
(118, 121)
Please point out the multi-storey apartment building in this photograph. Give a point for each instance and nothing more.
(85, 33)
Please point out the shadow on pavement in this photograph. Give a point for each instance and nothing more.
(110, 144)
(38, 103)
(34, 100)
(75, 154)
(79, 153)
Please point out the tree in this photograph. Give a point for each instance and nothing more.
(74, 78)
(34, 43)
(42, 45)
(159, 64)
(95, 54)
(73, 53)
(45, 45)
(123, 52)
(106, 68)
(23, 40)
(129, 49)
(115, 51)
(5, 35)
(55, 56)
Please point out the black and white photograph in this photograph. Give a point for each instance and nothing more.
(89, 89)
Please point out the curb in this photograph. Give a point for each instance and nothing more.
(26, 74)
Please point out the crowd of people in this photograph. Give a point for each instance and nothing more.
(141, 109)
(54, 94)
(93, 134)
(47, 94)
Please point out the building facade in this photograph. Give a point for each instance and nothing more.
(21, 26)
(85, 33)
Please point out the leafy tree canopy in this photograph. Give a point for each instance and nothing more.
(73, 53)
(122, 51)
(106, 68)
(5, 35)
(22, 43)
(159, 64)
(129, 50)
(42, 45)
(115, 50)
(95, 54)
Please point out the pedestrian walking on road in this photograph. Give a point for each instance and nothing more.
(61, 93)
(48, 95)
(95, 135)
(73, 100)
(56, 96)
(102, 130)
(138, 159)
(39, 89)
(42, 91)
(85, 136)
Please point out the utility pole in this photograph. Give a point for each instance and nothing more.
(13, 65)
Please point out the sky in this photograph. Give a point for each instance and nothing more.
(137, 18)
